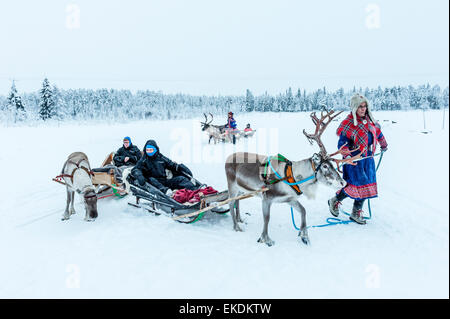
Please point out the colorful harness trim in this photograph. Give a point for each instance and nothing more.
(289, 177)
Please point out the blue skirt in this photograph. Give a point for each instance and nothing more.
(361, 179)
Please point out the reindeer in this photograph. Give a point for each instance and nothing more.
(243, 171)
(214, 131)
(77, 175)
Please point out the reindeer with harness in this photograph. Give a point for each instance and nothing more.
(215, 132)
(77, 176)
(261, 174)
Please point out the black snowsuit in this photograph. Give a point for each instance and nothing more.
(132, 152)
(152, 169)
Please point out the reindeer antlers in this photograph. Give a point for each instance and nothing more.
(321, 125)
(206, 119)
(344, 152)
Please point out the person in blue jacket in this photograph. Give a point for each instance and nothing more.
(231, 126)
(152, 167)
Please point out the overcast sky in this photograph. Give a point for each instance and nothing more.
(223, 47)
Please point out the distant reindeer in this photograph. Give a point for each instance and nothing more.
(215, 132)
(77, 175)
(243, 171)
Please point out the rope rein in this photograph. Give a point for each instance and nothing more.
(331, 221)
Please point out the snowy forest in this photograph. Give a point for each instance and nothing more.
(52, 103)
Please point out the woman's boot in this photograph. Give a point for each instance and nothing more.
(357, 212)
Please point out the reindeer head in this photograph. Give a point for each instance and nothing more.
(206, 124)
(323, 162)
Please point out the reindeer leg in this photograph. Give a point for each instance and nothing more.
(232, 193)
(66, 215)
(303, 233)
(72, 209)
(238, 213)
(69, 205)
(236, 226)
(266, 214)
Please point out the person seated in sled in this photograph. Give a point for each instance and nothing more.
(125, 157)
(231, 126)
(248, 131)
(128, 155)
(152, 168)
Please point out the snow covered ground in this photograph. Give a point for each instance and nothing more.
(403, 252)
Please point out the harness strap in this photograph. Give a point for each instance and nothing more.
(77, 164)
(289, 176)
(291, 179)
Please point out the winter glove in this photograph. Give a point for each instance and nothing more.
(384, 149)
(118, 159)
(183, 169)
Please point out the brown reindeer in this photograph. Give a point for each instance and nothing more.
(244, 173)
(77, 175)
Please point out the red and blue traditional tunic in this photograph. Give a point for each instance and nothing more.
(361, 178)
(231, 123)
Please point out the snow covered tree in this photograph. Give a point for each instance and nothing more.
(15, 104)
(289, 101)
(445, 98)
(47, 104)
(249, 102)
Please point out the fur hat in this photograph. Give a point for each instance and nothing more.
(355, 102)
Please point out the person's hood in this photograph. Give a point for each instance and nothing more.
(153, 143)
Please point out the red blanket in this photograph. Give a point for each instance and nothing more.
(186, 195)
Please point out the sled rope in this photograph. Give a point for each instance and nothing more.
(218, 204)
(331, 221)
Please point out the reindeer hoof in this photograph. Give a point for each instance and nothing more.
(269, 242)
(89, 219)
(237, 228)
(64, 218)
(305, 240)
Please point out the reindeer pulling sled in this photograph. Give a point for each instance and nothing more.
(219, 133)
(252, 172)
(103, 178)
